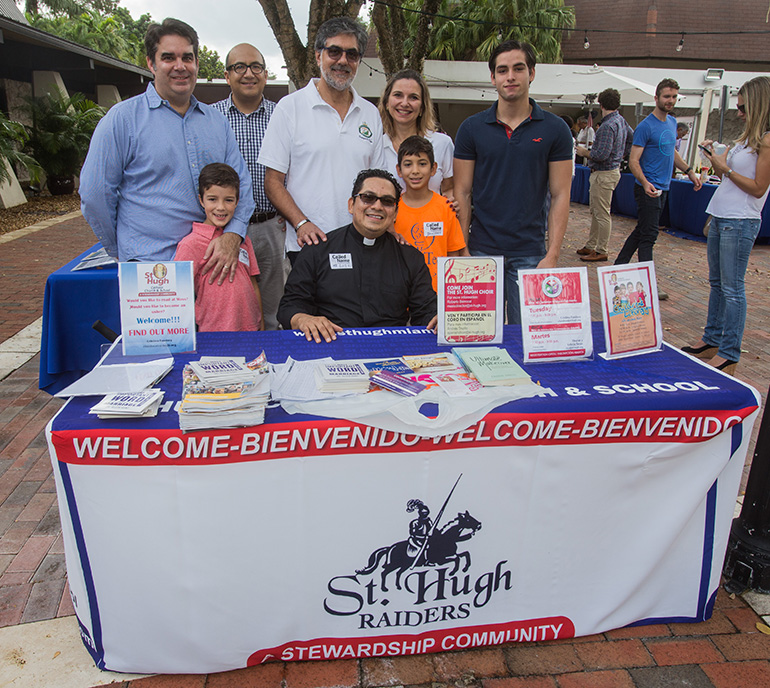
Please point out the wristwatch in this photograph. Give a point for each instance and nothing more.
(300, 223)
(728, 172)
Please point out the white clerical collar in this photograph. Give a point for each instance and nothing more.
(369, 242)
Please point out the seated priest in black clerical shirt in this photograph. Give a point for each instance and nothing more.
(361, 276)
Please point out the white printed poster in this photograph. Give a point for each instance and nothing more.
(629, 299)
(555, 314)
(157, 307)
(470, 300)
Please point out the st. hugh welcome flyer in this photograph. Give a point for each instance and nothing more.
(157, 307)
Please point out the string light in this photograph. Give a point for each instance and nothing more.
(565, 29)
(681, 44)
(586, 44)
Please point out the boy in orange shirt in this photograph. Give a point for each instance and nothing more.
(425, 219)
(230, 306)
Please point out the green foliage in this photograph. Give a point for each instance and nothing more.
(13, 135)
(117, 35)
(209, 65)
(70, 8)
(491, 22)
(61, 131)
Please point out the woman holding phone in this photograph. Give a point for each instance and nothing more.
(736, 212)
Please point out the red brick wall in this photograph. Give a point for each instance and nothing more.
(671, 15)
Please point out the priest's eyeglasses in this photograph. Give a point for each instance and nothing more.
(368, 198)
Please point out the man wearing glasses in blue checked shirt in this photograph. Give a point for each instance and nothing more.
(249, 112)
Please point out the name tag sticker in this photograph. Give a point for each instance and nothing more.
(341, 261)
(433, 229)
(243, 256)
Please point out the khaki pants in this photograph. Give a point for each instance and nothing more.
(602, 184)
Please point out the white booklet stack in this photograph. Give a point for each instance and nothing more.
(224, 393)
(144, 404)
(342, 376)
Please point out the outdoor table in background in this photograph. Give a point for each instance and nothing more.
(685, 209)
(73, 301)
(604, 505)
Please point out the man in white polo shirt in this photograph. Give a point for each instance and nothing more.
(319, 138)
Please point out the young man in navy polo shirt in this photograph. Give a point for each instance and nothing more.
(507, 158)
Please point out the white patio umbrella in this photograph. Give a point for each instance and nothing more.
(572, 85)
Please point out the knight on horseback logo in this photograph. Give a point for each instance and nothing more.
(429, 544)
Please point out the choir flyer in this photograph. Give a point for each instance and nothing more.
(470, 300)
(157, 307)
(630, 311)
(555, 314)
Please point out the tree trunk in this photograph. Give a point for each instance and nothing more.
(391, 32)
(424, 27)
(300, 58)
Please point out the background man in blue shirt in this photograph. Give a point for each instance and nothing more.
(509, 156)
(139, 182)
(653, 156)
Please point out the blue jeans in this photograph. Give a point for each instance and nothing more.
(512, 265)
(728, 248)
(646, 231)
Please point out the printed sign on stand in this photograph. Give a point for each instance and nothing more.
(555, 314)
(630, 311)
(157, 307)
(470, 300)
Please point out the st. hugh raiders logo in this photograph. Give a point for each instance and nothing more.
(427, 569)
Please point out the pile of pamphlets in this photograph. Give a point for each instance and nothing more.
(224, 392)
(144, 404)
(443, 370)
(491, 365)
(342, 376)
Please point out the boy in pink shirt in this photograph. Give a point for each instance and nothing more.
(230, 306)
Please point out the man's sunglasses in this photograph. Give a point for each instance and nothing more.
(335, 53)
(368, 198)
(241, 67)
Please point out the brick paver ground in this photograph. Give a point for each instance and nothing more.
(726, 652)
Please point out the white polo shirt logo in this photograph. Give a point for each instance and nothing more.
(365, 132)
(341, 261)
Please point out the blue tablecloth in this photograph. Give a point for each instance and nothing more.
(685, 209)
(623, 202)
(579, 193)
(73, 301)
(667, 366)
(606, 505)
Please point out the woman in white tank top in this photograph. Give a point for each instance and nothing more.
(736, 211)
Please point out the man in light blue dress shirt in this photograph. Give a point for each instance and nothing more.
(139, 182)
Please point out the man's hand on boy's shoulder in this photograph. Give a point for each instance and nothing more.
(221, 257)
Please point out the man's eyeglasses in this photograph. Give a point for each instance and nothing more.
(241, 67)
(741, 108)
(335, 53)
(368, 198)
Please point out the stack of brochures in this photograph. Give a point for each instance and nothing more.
(342, 376)
(144, 404)
(491, 365)
(216, 370)
(224, 393)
